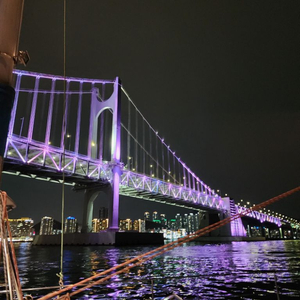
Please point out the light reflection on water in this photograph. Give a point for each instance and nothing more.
(237, 270)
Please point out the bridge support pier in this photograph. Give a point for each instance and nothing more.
(89, 197)
(211, 218)
(113, 204)
(112, 192)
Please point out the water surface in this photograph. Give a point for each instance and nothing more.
(237, 270)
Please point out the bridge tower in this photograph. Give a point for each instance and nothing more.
(97, 107)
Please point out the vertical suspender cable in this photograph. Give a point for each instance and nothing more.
(137, 138)
(144, 151)
(157, 159)
(179, 172)
(174, 169)
(101, 126)
(128, 136)
(169, 170)
(78, 119)
(42, 117)
(150, 159)
(163, 161)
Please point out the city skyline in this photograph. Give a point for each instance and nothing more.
(72, 217)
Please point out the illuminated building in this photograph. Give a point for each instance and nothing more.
(139, 225)
(173, 224)
(191, 222)
(178, 219)
(197, 219)
(125, 225)
(163, 219)
(154, 216)
(70, 225)
(21, 227)
(99, 224)
(46, 226)
(147, 216)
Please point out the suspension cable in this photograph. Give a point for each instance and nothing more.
(128, 137)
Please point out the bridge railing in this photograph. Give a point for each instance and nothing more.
(50, 159)
(153, 187)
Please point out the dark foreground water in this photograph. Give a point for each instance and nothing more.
(237, 270)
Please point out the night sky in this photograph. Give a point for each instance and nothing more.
(219, 80)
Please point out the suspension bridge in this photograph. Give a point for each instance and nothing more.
(79, 131)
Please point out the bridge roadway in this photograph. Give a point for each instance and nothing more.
(46, 162)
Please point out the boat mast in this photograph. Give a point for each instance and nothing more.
(10, 25)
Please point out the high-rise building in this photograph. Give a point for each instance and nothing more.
(172, 224)
(95, 225)
(139, 225)
(46, 226)
(125, 225)
(21, 227)
(191, 223)
(163, 219)
(103, 213)
(154, 216)
(178, 219)
(70, 225)
(99, 224)
(147, 216)
(185, 222)
(198, 216)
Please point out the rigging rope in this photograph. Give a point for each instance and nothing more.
(160, 250)
(11, 272)
(60, 274)
(128, 137)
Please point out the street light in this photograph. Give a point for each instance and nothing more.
(69, 141)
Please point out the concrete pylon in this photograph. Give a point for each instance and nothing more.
(89, 197)
(97, 107)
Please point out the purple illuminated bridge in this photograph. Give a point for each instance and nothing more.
(76, 127)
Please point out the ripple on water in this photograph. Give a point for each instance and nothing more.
(238, 270)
